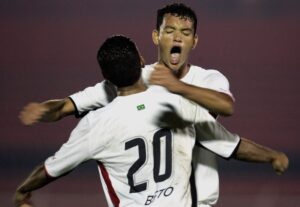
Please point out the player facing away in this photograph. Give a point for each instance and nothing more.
(142, 141)
(175, 36)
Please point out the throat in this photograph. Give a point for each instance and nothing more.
(182, 71)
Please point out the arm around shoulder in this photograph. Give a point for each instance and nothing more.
(48, 111)
(37, 179)
(214, 101)
(250, 151)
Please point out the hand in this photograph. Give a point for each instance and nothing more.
(164, 76)
(280, 163)
(26, 205)
(32, 113)
(22, 199)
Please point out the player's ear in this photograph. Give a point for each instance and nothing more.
(155, 36)
(195, 42)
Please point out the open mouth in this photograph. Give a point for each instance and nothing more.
(176, 49)
(175, 55)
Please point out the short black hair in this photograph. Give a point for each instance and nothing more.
(176, 9)
(120, 61)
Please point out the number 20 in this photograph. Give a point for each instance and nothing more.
(140, 143)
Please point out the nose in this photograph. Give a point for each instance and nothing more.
(177, 37)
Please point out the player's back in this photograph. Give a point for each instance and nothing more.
(141, 162)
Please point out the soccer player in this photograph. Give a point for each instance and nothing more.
(142, 141)
(175, 36)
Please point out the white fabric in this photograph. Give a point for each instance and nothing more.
(205, 164)
(204, 161)
(94, 97)
(113, 136)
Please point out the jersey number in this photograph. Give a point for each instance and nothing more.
(141, 145)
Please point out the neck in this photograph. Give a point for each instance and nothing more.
(138, 87)
(183, 70)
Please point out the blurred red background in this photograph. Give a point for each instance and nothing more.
(48, 50)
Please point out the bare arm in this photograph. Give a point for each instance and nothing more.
(37, 179)
(252, 152)
(216, 102)
(47, 111)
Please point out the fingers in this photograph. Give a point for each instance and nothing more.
(281, 163)
(22, 199)
(31, 113)
(26, 205)
(160, 74)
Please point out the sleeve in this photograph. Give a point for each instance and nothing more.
(213, 136)
(94, 97)
(218, 82)
(75, 151)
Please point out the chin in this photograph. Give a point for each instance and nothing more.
(174, 68)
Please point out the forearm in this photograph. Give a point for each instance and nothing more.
(57, 109)
(216, 102)
(48, 111)
(253, 152)
(37, 179)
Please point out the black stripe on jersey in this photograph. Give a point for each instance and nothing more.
(77, 115)
(193, 188)
(198, 144)
(235, 150)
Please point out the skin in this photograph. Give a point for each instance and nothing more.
(179, 31)
(174, 31)
(48, 111)
(37, 179)
(248, 151)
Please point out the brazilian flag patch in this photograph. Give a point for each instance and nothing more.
(140, 107)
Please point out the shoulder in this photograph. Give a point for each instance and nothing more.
(205, 77)
(206, 73)
(96, 122)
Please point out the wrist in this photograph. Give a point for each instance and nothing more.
(22, 198)
(179, 88)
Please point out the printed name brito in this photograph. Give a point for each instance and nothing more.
(163, 192)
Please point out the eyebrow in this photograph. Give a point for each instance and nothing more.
(169, 27)
(187, 29)
(172, 27)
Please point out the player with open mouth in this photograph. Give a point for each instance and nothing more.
(175, 40)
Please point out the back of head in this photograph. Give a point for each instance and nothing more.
(119, 60)
(176, 9)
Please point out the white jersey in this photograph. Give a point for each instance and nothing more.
(141, 163)
(205, 163)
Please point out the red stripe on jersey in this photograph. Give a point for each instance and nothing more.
(113, 196)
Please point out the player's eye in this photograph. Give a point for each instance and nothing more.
(186, 32)
(169, 30)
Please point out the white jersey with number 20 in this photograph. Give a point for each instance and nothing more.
(142, 146)
(205, 164)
